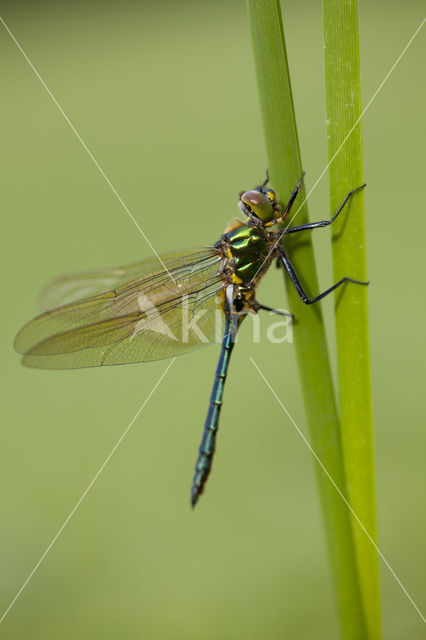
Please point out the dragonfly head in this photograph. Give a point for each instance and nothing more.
(260, 206)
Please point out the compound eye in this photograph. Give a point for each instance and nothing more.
(258, 204)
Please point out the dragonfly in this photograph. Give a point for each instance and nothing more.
(147, 311)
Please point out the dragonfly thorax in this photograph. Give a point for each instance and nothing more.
(246, 254)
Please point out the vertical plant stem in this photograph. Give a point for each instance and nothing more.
(343, 93)
(284, 163)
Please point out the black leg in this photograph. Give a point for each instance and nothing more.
(293, 196)
(297, 285)
(263, 185)
(324, 223)
(277, 311)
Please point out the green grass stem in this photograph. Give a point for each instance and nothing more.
(285, 168)
(343, 96)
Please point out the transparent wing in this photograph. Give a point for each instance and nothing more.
(146, 318)
(70, 288)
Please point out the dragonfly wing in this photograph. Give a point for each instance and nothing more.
(147, 318)
(70, 288)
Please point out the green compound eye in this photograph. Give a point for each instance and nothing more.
(254, 202)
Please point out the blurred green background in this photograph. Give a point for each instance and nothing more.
(164, 95)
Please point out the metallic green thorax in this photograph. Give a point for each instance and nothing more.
(249, 250)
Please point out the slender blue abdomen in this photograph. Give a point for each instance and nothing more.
(207, 447)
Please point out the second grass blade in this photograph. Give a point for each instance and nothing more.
(344, 137)
(285, 169)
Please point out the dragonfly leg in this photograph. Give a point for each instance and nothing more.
(291, 201)
(298, 286)
(324, 223)
(262, 185)
(211, 425)
(293, 196)
(265, 182)
(277, 311)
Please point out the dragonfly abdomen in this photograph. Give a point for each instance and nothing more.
(208, 442)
